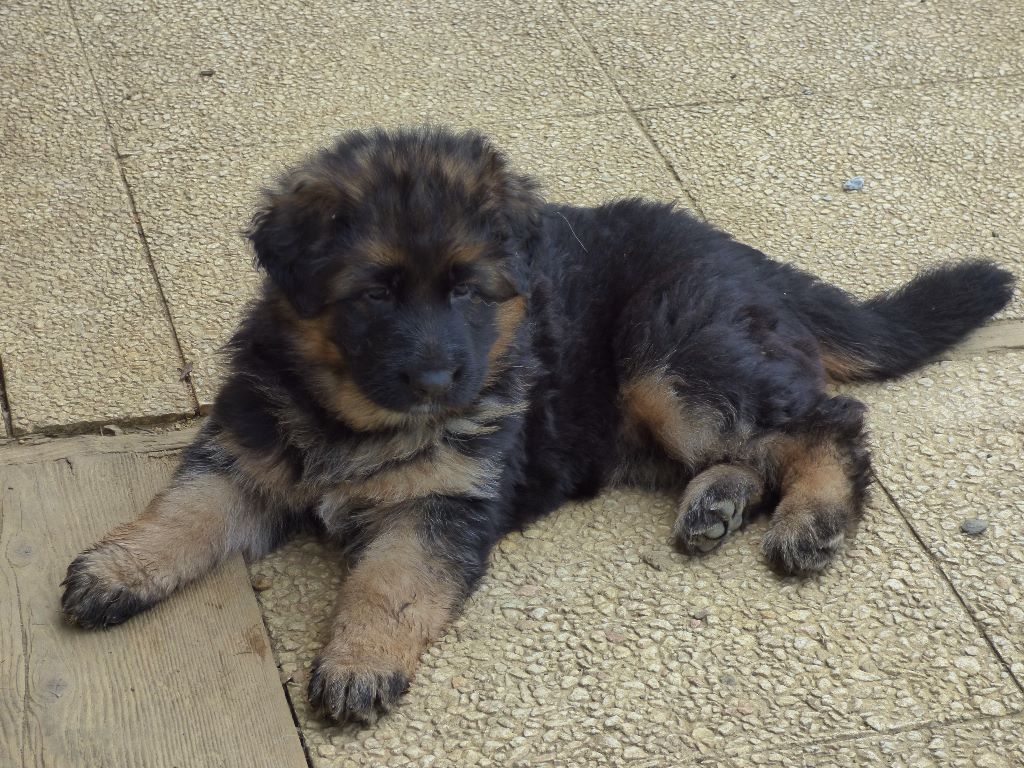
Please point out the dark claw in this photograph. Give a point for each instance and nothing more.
(344, 694)
(89, 603)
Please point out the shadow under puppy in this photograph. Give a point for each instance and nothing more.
(437, 357)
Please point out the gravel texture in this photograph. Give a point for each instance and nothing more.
(945, 181)
(83, 335)
(208, 101)
(665, 53)
(287, 68)
(593, 642)
(950, 446)
(984, 744)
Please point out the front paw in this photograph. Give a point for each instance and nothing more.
(345, 691)
(103, 587)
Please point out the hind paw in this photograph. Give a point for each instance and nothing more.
(804, 542)
(713, 506)
(704, 526)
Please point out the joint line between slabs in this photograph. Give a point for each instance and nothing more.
(284, 685)
(298, 727)
(5, 403)
(945, 577)
(853, 738)
(133, 207)
(826, 93)
(690, 197)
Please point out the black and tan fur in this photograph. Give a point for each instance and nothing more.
(438, 357)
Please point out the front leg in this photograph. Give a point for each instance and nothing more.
(405, 586)
(201, 518)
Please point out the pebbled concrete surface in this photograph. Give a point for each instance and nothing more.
(983, 744)
(206, 101)
(943, 169)
(950, 447)
(194, 206)
(83, 334)
(592, 642)
(665, 53)
(592, 638)
(287, 68)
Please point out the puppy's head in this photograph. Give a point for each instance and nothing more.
(400, 255)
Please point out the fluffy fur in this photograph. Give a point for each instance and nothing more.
(438, 357)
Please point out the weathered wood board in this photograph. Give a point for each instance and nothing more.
(190, 683)
(994, 337)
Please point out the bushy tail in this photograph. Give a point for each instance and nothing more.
(900, 330)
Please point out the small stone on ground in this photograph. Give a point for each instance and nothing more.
(973, 527)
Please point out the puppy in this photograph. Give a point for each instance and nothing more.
(437, 357)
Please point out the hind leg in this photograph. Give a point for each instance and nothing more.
(817, 465)
(822, 473)
(714, 504)
(714, 384)
(692, 434)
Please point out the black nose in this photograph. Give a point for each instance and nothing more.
(431, 383)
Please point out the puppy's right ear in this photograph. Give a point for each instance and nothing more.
(294, 235)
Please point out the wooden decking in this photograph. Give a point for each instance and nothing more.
(191, 683)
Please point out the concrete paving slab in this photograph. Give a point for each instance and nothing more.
(83, 335)
(194, 204)
(943, 169)
(592, 640)
(183, 73)
(951, 448)
(981, 743)
(662, 53)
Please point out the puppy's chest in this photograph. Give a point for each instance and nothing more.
(438, 470)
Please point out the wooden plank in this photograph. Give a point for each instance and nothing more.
(35, 450)
(190, 683)
(994, 337)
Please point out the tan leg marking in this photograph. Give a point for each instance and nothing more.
(651, 406)
(396, 600)
(817, 505)
(184, 532)
(723, 477)
(714, 504)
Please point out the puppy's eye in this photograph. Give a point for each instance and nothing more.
(377, 293)
(461, 290)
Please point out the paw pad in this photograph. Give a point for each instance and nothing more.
(706, 523)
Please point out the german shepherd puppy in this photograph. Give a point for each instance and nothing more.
(438, 357)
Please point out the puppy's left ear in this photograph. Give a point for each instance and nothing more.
(293, 234)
